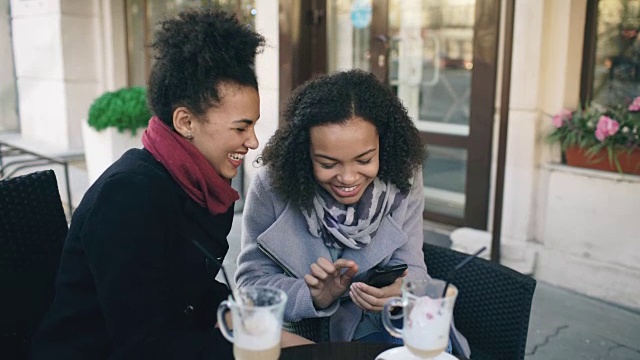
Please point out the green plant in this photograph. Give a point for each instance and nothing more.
(594, 128)
(123, 109)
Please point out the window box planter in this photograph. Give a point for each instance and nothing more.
(629, 161)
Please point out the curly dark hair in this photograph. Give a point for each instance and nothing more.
(335, 99)
(195, 52)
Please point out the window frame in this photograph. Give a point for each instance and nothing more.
(589, 52)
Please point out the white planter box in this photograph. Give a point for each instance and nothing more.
(102, 148)
(589, 233)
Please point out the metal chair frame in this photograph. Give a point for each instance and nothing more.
(30, 159)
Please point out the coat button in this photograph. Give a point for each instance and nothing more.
(188, 310)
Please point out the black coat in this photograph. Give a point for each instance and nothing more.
(131, 283)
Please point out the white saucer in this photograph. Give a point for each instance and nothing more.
(402, 353)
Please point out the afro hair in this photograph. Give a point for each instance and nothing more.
(335, 99)
(194, 53)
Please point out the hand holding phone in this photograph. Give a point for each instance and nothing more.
(384, 276)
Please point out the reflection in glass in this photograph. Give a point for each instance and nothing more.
(347, 45)
(431, 58)
(444, 176)
(617, 61)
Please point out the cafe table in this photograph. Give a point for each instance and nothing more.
(334, 351)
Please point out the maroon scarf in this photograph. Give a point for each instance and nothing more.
(188, 167)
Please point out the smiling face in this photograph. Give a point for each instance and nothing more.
(345, 158)
(227, 131)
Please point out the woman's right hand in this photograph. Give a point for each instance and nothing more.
(328, 281)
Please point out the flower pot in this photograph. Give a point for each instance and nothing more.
(629, 162)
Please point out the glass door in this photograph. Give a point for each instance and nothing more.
(439, 57)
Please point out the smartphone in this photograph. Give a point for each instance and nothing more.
(384, 276)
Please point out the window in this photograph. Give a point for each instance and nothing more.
(611, 69)
(143, 14)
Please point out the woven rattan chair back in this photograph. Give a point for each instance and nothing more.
(493, 305)
(32, 231)
(314, 329)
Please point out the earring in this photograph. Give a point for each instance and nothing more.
(189, 136)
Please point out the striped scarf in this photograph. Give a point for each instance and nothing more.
(352, 226)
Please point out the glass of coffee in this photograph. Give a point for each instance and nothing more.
(256, 314)
(427, 316)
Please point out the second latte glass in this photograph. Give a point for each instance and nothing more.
(427, 316)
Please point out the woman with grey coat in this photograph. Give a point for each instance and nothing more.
(341, 193)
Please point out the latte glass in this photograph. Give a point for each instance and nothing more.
(427, 316)
(256, 315)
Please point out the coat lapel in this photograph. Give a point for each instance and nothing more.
(210, 231)
(289, 243)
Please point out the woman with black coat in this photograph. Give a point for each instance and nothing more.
(132, 281)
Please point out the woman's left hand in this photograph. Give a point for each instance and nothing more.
(372, 299)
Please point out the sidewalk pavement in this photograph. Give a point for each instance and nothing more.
(568, 325)
(563, 324)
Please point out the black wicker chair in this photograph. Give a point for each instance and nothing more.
(493, 305)
(314, 329)
(32, 231)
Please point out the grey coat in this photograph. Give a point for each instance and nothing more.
(278, 249)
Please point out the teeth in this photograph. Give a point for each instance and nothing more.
(236, 156)
(347, 189)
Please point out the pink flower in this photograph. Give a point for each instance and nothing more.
(606, 127)
(635, 105)
(559, 118)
